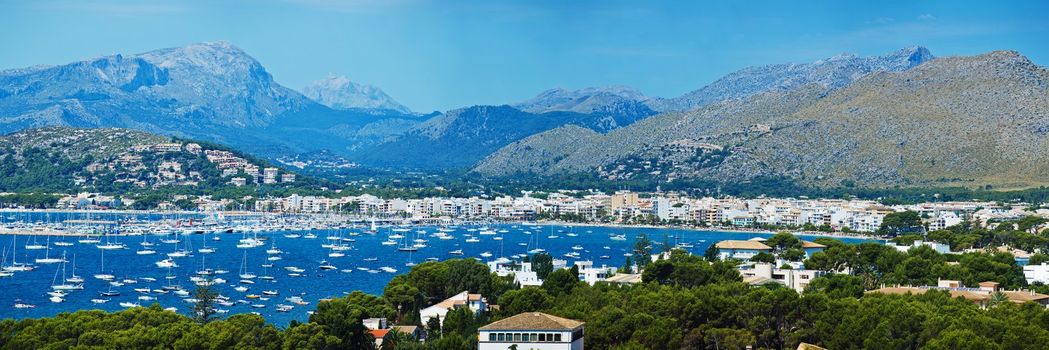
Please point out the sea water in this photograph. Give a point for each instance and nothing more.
(314, 284)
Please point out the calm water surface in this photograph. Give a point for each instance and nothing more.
(314, 284)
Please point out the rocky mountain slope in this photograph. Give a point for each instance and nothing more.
(338, 92)
(955, 120)
(210, 91)
(622, 105)
(833, 72)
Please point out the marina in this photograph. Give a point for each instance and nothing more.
(278, 270)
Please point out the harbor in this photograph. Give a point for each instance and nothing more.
(273, 267)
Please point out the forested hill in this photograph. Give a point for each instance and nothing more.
(128, 162)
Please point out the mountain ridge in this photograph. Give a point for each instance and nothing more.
(210, 91)
(914, 127)
(833, 72)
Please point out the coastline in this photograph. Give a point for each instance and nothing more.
(508, 222)
(716, 229)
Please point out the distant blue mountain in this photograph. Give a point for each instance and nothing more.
(462, 137)
(339, 92)
(213, 91)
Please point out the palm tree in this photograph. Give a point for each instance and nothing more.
(997, 298)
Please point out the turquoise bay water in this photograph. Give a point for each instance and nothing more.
(314, 284)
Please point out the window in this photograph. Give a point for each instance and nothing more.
(491, 336)
(542, 336)
(517, 336)
(502, 336)
(557, 337)
(534, 337)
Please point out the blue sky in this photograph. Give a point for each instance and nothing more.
(434, 55)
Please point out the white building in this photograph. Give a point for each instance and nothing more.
(938, 247)
(475, 302)
(590, 274)
(531, 330)
(269, 176)
(761, 273)
(944, 220)
(1037, 273)
(522, 272)
(743, 250)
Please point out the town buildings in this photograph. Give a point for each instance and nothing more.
(626, 207)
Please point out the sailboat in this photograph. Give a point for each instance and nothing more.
(74, 278)
(373, 229)
(334, 253)
(244, 274)
(110, 292)
(63, 243)
(410, 263)
(65, 285)
(145, 241)
(102, 275)
(89, 240)
(204, 270)
(33, 245)
(266, 273)
(177, 253)
(110, 245)
(406, 247)
(47, 259)
(15, 266)
(535, 250)
(273, 248)
(205, 249)
(4, 263)
(147, 246)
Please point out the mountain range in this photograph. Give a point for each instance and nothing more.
(904, 118)
(210, 91)
(979, 120)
